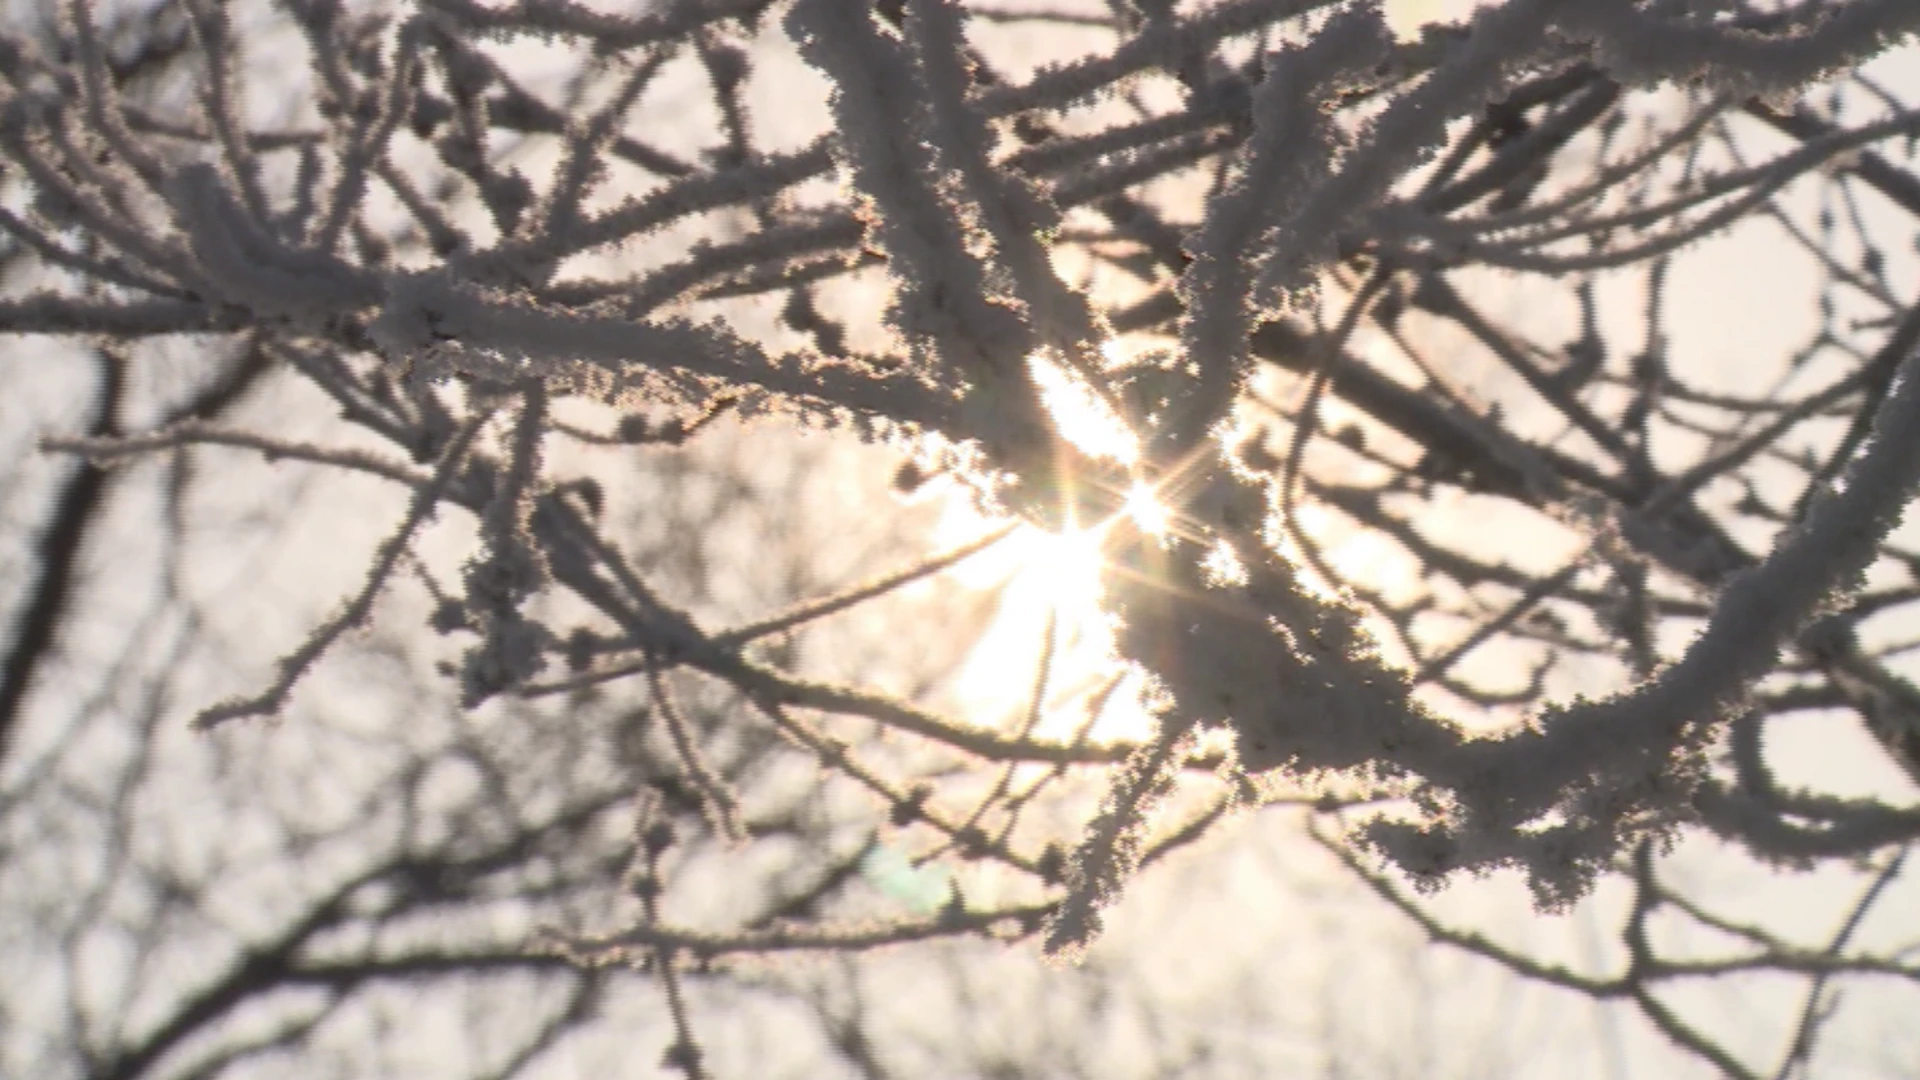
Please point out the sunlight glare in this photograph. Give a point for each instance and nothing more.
(1143, 506)
(1406, 17)
(1066, 566)
(1039, 575)
(1223, 565)
(1082, 417)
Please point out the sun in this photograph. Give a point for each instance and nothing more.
(1148, 513)
(1051, 584)
(1051, 594)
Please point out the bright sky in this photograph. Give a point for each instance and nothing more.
(1407, 16)
(1257, 937)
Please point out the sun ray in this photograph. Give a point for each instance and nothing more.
(1066, 578)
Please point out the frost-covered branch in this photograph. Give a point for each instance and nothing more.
(661, 282)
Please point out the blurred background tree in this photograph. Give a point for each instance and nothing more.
(553, 539)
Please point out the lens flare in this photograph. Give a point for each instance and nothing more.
(1144, 507)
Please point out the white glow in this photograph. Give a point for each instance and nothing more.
(1040, 576)
(1083, 419)
(1406, 17)
(1145, 510)
(1223, 565)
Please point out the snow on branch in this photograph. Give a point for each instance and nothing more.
(927, 226)
(1288, 157)
(1013, 212)
(1114, 844)
(959, 242)
(253, 268)
(1639, 47)
(1406, 133)
(1625, 765)
(431, 320)
(1297, 679)
(966, 187)
(607, 31)
(1164, 42)
(121, 449)
(510, 567)
(1280, 220)
(295, 665)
